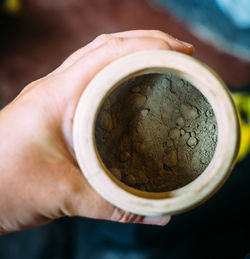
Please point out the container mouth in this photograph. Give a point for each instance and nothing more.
(177, 199)
(155, 133)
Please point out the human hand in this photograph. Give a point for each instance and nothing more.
(39, 176)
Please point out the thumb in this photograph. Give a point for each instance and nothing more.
(84, 201)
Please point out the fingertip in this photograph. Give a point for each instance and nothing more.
(187, 47)
(180, 46)
(157, 220)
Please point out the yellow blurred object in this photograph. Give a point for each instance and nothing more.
(12, 6)
(242, 101)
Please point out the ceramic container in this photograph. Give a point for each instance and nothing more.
(149, 203)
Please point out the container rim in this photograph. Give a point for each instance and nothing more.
(148, 203)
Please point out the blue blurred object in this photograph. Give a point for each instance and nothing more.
(237, 10)
(214, 21)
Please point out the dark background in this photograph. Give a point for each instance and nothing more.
(39, 37)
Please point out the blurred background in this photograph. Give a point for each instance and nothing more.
(37, 35)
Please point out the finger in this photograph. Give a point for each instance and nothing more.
(103, 38)
(119, 215)
(174, 43)
(82, 71)
(81, 199)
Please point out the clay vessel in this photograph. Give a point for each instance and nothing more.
(148, 203)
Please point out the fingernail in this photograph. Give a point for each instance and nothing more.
(157, 220)
(186, 44)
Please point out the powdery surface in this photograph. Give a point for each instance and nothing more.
(156, 132)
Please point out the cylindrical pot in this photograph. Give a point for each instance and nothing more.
(152, 203)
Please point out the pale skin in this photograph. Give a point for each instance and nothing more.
(39, 176)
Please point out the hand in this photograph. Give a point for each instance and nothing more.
(39, 176)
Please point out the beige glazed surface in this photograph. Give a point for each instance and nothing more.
(144, 202)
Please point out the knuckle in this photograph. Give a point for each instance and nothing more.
(31, 86)
(157, 33)
(103, 38)
(162, 44)
(114, 44)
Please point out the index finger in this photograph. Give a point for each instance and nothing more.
(174, 44)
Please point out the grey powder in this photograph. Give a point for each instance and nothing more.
(156, 132)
